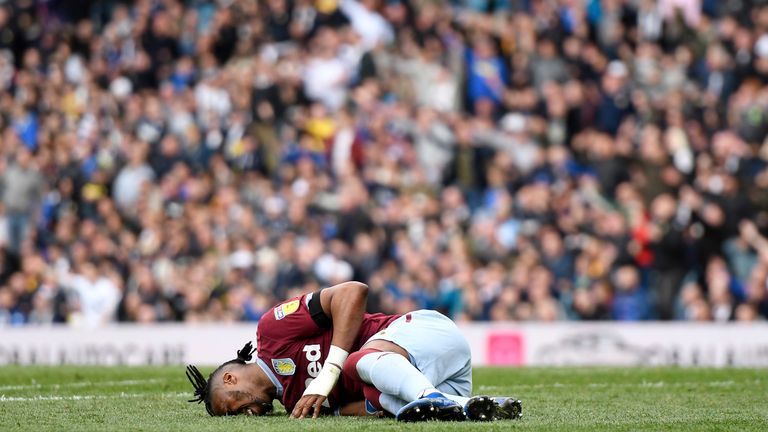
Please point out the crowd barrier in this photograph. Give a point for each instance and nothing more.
(502, 344)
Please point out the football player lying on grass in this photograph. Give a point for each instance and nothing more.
(415, 366)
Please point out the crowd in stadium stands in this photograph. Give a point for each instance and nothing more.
(199, 160)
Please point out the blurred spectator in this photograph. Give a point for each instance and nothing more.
(130, 179)
(22, 188)
(631, 301)
(509, 160)
(94, 296)
(486, 76)
(667, 241)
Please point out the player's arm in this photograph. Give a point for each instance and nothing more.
(343, 306)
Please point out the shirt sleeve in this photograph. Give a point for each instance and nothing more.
(290, 320)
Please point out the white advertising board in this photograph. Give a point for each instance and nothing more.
(619, 344)
(507, 344)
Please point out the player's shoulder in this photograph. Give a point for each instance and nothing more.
(287, 307)
(284, 309)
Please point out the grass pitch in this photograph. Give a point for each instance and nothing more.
(554, 399)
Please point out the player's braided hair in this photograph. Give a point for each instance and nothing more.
(203, 386)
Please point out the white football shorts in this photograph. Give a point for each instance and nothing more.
(436, 347)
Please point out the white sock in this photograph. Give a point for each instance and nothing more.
(391, 403)
(461, 400)
(393, 374)
(449, 391)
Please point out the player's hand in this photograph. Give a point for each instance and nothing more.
(305, 405)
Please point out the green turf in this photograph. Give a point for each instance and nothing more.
(555, 399)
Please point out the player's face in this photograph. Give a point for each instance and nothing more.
(237, 403)
(238, 395)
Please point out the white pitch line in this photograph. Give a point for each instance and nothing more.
(81, 384)
(4, 398)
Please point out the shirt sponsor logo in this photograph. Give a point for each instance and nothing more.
(284, 366)
(313, 354)
(286, 309)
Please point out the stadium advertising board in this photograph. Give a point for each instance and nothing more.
(614, 344)
(620, 344)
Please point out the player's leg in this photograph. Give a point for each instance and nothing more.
(390, 403)
(439, 352)
(376, 401)
(476, 408)
(385, 365)
(391, 373)
(432, 350)
(387, 370)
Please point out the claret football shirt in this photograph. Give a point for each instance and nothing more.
(292, 342)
